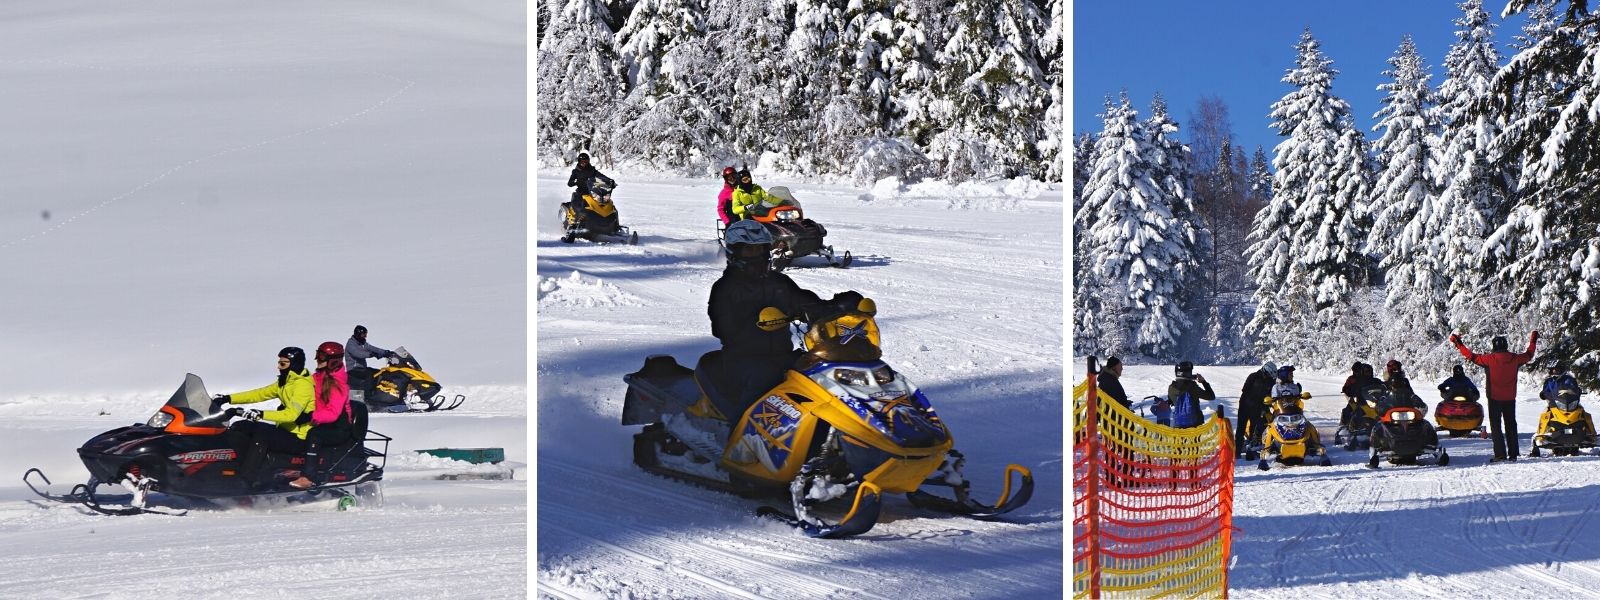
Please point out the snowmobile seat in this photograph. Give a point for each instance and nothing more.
(713, 378)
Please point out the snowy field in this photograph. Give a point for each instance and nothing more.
(1466, 530)
(190, 186)
(968, 284)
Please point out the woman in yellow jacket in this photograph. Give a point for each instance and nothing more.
(748, 197)
(283, 430)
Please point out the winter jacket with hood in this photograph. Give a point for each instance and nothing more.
(296, 394)
(1501, 368)
(356, 353)
(745, 202)
(735, 306)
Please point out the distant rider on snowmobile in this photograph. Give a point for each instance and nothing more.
(356, 353)
(753, 359)
(1557, 382)
(331, 419)
(583, 177)
(1185, 393)
(1501, 386)
(1394, 376)
(730, 179)
(1458, 385)
(1252, 417)
(1361, 377)
(748, 196)
(285, 433)
(1286, 400)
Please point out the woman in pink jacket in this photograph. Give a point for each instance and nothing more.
(725, 199)
(331, 417)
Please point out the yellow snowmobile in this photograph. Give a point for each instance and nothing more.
(1290, 439)
(842, 425)
(596, 220)
(1564, 427)
(403, 386)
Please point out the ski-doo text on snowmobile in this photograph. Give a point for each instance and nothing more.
(842, 425)
(187, 451)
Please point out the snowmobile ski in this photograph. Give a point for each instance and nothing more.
(968, 507)
(75, 496)
(862, 516)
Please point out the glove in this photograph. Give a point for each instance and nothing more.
(304, 418)
(1534, 336)
(223, 398)
(1455, 338)
(251, 414)
(847, 299)
(233, 411)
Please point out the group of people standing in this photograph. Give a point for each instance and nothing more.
(1500, 366)
(315, 411)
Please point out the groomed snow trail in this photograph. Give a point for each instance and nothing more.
(1466, 530)
(968, 285)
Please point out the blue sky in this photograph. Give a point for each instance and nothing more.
(1239, 51)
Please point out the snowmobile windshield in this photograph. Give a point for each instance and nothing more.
(404, 359)
(189, 410)
(1566, 402)
(851, 336)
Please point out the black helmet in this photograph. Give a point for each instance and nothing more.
(296, 356)
(1458, 371)
(583, 157)
(1553, 365)
(361, 330)
(1285, 372)
(1499, 344)
(1184, 369)
(745, 180)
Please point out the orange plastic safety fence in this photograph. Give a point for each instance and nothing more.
(1152, 505)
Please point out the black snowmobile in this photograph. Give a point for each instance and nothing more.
(187, 453)
(402, 386)
(596, 220)
(1400, 434)
(793, 235)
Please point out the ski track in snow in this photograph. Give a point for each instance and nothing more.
(969, 311)
(1467, 529)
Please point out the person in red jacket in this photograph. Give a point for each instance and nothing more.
(1500, 385)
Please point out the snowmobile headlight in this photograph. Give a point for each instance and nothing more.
(851, 377)
(883, 374)
(788, 215)
(160, 420)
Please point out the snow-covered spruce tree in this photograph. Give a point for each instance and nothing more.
(1306, 242)
(909, 62)
(672, 115)
(1051, 49)
(1405, 190)
(1548, 249)
(1093, 317)
(749, 37)
(1260, 178)
(1136, 243)
(992, 91)
(580, 77)
(1473, 182)
(1169, 164)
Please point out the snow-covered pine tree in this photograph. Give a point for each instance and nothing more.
(1260, 178)
(750, 37)
(1473, 183)
(1548, 249)
(1169, 161)
(909, 62)
(1051, 48)
(992, 91)
(1305, 238)
(1136, 244)
(580, 77)
(1405, 190)
(671, 116)
(1096, 313)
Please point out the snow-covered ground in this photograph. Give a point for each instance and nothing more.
(1466, 530)
(968, 284)
(189, 186)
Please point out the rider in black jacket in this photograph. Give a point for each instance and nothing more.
(753, 360)
(583, 176)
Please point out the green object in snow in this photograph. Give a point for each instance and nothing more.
(471, 455)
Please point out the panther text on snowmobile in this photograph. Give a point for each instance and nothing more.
(843, 425)
(186, 452)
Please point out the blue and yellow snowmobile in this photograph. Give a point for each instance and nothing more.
(842, 426)
(1289, 438)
